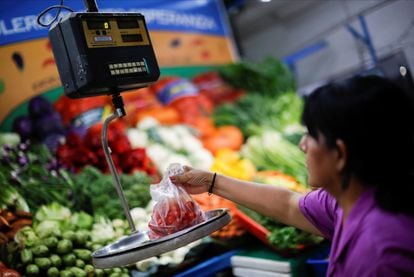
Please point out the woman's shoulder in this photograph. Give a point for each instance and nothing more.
(389, 230)
(387, 240)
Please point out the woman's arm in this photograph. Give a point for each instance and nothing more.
(278, 203)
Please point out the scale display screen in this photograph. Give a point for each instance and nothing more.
(127, 24)
(132, 38)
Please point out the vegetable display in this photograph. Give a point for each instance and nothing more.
(272, 151)
(255, 114)
(167, 144)
(11, 221)
(57, 245)
(287, 240)
(230, 163)
(268, 77)
(211, 202)
(242, 120)
(42, 124)
(95, 192)
(78, 151)
(31, 171)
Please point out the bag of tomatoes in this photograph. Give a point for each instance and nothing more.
(174, 208)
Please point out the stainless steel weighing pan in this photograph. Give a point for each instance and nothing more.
(138, 246)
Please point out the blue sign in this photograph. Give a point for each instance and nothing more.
(18, 19)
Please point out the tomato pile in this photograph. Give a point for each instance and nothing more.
(78, 152)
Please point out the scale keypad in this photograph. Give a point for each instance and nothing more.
(127, 68)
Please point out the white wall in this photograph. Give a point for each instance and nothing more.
(390, 24)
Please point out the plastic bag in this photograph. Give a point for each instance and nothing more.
(174, 209)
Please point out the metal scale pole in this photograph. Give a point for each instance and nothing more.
(119, 112)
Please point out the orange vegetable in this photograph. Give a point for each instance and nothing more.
(225, 137)
(164, 115)
(136, 101)
(277, 178)
(204, 125)
(210, 202)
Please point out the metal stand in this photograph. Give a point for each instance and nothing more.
(119, 112)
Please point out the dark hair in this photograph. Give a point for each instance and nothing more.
(374, 118)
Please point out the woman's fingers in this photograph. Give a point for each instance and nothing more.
(180, 179)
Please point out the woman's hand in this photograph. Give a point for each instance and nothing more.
(194, 181)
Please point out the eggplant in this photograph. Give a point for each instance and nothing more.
(39, 106)
(47, 125)
(23, 125)
(52, 141)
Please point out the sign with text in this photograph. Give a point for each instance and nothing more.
(183, 33)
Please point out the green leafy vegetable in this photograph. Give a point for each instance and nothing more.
(271, 151)
(254, 114)
(281, 236)
(33, 172)
(97, 193)
(269, 77)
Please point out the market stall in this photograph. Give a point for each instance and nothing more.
(59, 205)
(71, 205)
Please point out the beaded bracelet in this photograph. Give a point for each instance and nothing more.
(210, 189)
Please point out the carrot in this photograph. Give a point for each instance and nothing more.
(17, 225)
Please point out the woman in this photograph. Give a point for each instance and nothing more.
(360, 160)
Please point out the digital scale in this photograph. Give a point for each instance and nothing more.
(106, 54)
(103, 53)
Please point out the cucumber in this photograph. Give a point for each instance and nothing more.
(83, 254)
(43, 263)
(78, 272)
(66, 273)
(69, 235)
(50, 242)
(64, 246)
(80, 263)
(32, 270)
(26, 256)
(53, 272)
(40, 250)
(55, 260)
(69, 259)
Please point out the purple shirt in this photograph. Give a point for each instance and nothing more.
(372, 241)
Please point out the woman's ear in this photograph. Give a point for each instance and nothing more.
(342, 154)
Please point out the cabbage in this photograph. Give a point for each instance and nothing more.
(26, 236)
(53, 211)
(48, 228)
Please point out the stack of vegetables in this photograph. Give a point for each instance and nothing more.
(167, 144)
(60, 243)
(42, 123)
(77, 152)
(31, 170)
